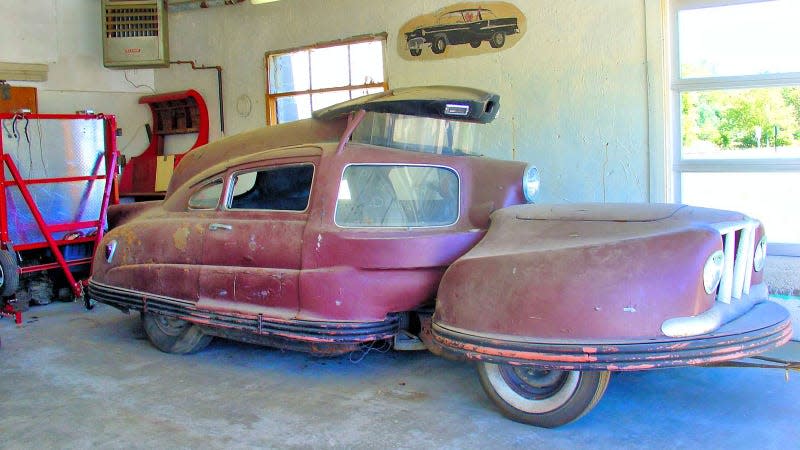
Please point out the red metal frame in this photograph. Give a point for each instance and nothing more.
(47, 230)
(8, 311)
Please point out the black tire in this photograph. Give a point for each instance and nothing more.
(415, 51)
(174, 335)
(475, 44)
(543, 398)
(9, 273)
(438, 45)
(497, 40)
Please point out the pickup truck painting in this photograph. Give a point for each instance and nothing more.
(459, 25)
(376, 220)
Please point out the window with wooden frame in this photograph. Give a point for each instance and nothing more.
(305, 79)
(735, 101)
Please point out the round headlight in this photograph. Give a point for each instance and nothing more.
(530, 183)
(760, 256)
(712, 271)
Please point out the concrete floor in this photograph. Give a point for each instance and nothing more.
(76, 379)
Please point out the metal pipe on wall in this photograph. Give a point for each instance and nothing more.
(219, 87)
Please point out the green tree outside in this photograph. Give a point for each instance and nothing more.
(731, 119)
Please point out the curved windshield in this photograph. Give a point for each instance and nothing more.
(418, 134)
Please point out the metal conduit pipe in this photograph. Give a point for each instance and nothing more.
(178, 6)
(219, 87)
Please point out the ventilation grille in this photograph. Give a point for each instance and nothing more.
(135, 33)
(123, 21)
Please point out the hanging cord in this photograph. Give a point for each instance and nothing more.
(30, 150)
(357, 356)
(8, 131)
(137, 86)
(41, 146)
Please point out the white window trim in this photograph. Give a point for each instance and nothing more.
(677, 85)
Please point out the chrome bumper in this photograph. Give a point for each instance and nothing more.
(735, 295)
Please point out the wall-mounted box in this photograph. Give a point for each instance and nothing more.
(135, 34)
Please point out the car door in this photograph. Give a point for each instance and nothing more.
(252, 248)
(163, 254)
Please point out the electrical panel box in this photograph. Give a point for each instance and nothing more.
(135, 33)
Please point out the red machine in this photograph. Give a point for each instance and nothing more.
(144, 177)
(56, 189)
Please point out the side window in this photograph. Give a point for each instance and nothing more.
(397, 196)
(285, 188)
(207, 197)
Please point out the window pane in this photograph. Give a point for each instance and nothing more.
(207, 197)
(748, 39)
(329, 67)
(366, 62)
(760, 195)
(397, 196)
(294, 108)
(741, 123)
(289, 72)
(418, 134)
(283, 189)
(319, 101)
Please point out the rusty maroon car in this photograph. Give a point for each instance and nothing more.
(377, 220)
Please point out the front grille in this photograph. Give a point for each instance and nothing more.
(738, 244)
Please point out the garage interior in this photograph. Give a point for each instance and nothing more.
(591, 93)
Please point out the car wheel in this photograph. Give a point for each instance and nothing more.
(172, 335)
(9, 275)
(438, 45)
(475, 44)
(543, 398)
(498, 40)
(415, 51)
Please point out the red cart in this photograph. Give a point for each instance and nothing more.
(57, 179)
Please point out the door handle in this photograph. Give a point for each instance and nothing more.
(220, 226)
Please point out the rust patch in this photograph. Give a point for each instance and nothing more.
(180, 238)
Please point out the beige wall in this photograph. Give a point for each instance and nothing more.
(574, 91)
(581, 94)
(65, 35)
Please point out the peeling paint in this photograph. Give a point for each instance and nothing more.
(180, 238)
(629, 309)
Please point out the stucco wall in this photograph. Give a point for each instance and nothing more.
(574, 91)
(65, 35)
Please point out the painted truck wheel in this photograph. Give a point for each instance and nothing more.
(543, 398)
(498, 40)
(439, 44)
(475, 44)
(174, 335)
(9, 275)
(415, 51)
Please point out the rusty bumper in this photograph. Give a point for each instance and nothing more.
(301, 335)
(766, 326)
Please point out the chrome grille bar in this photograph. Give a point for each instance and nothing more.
(738, 268)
